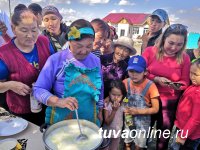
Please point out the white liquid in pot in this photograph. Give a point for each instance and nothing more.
(64, 138)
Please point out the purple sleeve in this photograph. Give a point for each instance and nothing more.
(43, 85)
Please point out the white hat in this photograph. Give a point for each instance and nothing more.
(126, 42)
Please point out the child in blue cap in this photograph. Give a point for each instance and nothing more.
(143, 101)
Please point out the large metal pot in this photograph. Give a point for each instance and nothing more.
(103, 143)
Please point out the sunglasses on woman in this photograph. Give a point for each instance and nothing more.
(178, 27)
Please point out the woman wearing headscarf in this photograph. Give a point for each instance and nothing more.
(71, 79)
(55, 30)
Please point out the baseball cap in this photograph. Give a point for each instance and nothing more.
(137, 63)
(161, 14)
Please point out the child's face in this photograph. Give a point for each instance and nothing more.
(116, 95)
(195, 74)
(136, 77)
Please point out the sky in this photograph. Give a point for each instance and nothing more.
(186, 12)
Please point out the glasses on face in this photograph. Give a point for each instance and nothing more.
(122, 51)
(179, 27)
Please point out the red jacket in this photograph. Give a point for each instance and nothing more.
(21, 70)
(188, 110)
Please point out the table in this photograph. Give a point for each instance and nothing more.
(34, 136)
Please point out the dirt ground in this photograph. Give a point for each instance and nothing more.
(138, 48)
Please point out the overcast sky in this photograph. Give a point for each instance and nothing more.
(186, 12)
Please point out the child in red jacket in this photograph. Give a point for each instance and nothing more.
(187, 115)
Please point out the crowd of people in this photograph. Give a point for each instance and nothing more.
(86, 66)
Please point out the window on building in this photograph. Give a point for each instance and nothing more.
(145, 30)
(122, 32)
(116, 27)
(135, 30)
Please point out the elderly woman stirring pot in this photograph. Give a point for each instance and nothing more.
(71, 79)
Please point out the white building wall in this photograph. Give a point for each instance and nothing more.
(124, 27)
(128, 27)
(141, 31)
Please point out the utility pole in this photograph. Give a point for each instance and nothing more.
(9, 8)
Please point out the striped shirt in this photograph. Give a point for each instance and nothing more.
(97, 53)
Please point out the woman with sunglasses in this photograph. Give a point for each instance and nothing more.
(168, 63)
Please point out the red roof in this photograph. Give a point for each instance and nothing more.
(132, 18)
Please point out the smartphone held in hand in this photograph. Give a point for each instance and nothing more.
(175, 84)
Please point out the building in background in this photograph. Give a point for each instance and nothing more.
(133, 25)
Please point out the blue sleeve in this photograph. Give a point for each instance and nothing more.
(4, 72)
(100, 103)
(52, 51)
